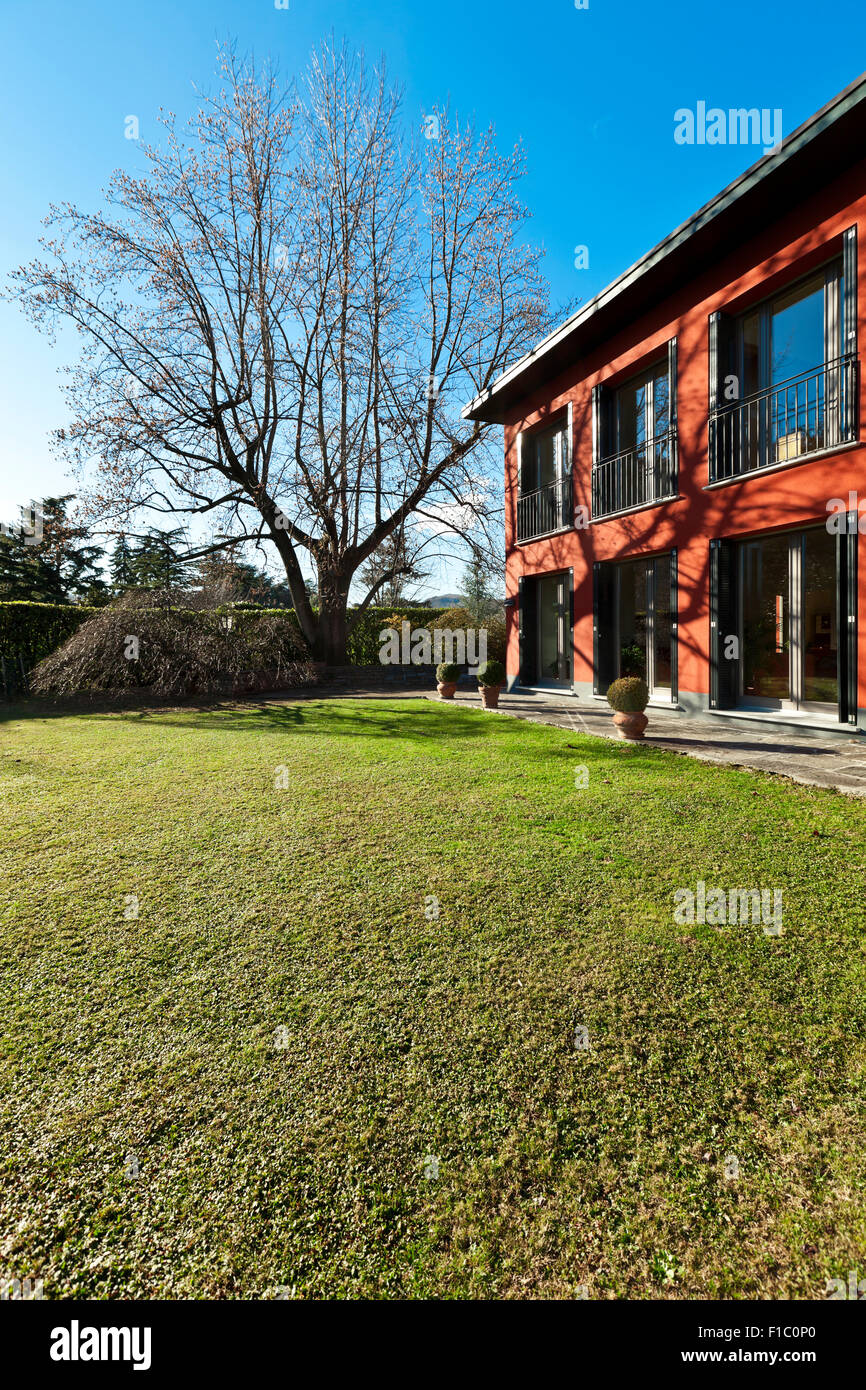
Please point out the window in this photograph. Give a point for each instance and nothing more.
(783, 374)
(635, 623)
(634, 439)
(783, 622)
(543, 458)
(641, 409)
(544, 499)
(790, 646)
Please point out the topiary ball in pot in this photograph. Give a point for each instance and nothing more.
(447, 675)
(629, 697)
(491, 678)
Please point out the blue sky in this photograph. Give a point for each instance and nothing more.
(590, 92)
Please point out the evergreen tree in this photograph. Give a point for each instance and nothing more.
(476, 588)
(48, 559)
(228, 580)
(156, 561)
(121, 566)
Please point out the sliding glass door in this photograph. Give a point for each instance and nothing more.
(545, 628)
(765, 586)
(788, 629)
(554, 629)
(820, 638)
(635, 624)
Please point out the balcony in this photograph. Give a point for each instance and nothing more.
(804, 415)
(544, 511)
(635, 477)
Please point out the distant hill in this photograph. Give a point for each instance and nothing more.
(441, 601)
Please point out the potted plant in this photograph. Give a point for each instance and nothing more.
(628, 698)
(446, 675)
(491, 678)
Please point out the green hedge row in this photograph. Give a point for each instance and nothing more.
(363, 646)
(35, 629)
(32, 630)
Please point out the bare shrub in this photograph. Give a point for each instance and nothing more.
(144, 643)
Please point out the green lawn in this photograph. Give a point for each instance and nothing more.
(287, 1040)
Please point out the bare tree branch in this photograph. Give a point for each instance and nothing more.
(282, 320)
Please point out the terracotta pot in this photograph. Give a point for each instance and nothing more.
(630, 725)
(490, 696)
(446, 689)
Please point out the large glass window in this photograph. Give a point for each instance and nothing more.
(544, 458)
(642, 409)
(797, 331)
(788, 382)
(766, 614)
(643, 644)
(788, 630)
(634, 439)
(544, 496)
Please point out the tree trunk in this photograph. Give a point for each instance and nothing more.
(331, 630)
(330, 644)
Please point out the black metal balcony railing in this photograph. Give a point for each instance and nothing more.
(791, 420)
(636, 477)
(545, 510)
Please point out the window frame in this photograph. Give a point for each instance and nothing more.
(832, 275)
(609, 637)
(562, 453)
(659, 367)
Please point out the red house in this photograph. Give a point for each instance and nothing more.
(683, 461)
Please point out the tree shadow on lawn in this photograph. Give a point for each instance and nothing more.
(342, 717)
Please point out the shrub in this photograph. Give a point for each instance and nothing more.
(491, 673)
(454, 618)
(459, 619)
(495, 626)
(179, 653)
(36, 629)
(362, 648)
(447, 672)
(32, 630)
(628, 695)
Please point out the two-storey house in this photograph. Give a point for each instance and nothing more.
(683, 458)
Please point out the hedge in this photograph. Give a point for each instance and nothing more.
(32, 630)
(363, 646)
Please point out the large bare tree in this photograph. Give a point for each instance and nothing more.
(281, 318)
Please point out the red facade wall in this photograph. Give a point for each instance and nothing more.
(793, 496)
